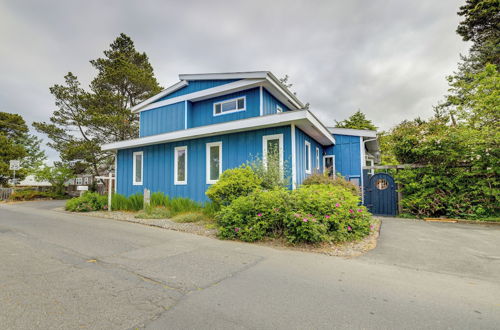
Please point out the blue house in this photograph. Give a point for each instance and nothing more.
(206, 123)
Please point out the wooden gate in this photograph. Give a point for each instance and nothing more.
(381, 195)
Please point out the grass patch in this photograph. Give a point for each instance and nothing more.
(190, 217)
(154, 213)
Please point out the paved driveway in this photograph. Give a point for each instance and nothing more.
(64, 271)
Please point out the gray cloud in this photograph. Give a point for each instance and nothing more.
(387, 58)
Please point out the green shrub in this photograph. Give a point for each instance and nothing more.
(119, 202)
(310, 214)
(189, 217)
(135, 202)
(319, 178)
(334, 206)
(182, 205)
(159, 199)
(154, 213)
(273, 176)
(89, 201)
(251, 218)
(232, 184)
(29, 194)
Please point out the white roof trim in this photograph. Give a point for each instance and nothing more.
(303, 119)
(204, 93)
(353, 132)
(161, 94)
(225, 75)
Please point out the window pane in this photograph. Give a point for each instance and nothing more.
(217, 108)
(229, 106)
(241, 103)
(308, 153)
(138, 168)
(214, 163)
(181, 165)
(273, 152)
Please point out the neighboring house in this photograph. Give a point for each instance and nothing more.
(31, 181)
(207, 123)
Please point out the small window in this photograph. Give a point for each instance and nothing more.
(272, 149)
(278, 109)
(355, 180)
(180, 165)
(78, 181)
(86, 180)
(229, 106)
(137, 168)
(214, 161)
(317, 158)
(308, 157)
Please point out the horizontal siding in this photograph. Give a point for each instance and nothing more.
(162, 120)
(269, 103)
(300, 138)
(195, 86)
(237, 149)
(202, 112)
(347, 156)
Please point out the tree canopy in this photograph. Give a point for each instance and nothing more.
(85, 119)
(17, 143)
(357, 121)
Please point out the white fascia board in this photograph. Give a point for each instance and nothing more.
(323, 130)
(224, 75)
(303, 119)
(161, 94)
(206, 93)
(284, 90)
(353, 132)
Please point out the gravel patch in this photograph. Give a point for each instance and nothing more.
(347, 250)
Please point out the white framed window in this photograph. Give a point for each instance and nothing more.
(308, 156)
(137, 168)
(272, 150)
(279, 109)
(317, 158)
(86, 180)
(229, 106)
(180, 165)
(329, 165)
(78, 181)
(214, 161)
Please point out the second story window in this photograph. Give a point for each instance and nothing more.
(78, 181)
(229, 106)
(279, 109)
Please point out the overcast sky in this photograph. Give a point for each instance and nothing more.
(387, 58)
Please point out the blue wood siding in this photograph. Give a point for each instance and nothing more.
(161, 120)
(347, 156)
(158, 163)
(300, 145)
(195, 86)
(269, 103)
(202, 112)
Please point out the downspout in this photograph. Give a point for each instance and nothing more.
(362, 165)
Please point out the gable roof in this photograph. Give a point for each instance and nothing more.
(245, 80)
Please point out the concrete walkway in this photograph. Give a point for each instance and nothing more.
(63, 271)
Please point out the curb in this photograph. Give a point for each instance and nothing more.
(472, 222)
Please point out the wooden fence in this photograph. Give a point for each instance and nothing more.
(5, 193)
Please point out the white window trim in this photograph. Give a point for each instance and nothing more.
(317, 158)
(307, 150)
(86, 180)
(137, 183)
(279, 109)
(209, 145)
(333, 164)
(79, 181)
(230, 100)
(176, 168)
(265, 138)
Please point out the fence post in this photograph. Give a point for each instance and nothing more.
(147, 197)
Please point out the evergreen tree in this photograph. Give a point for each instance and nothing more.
(85, 120)
(357, 121)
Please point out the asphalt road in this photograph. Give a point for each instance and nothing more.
(61, 271)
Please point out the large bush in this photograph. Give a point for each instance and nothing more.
(232, 184)
(31, 194)
(89, 201)
(310, 214)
